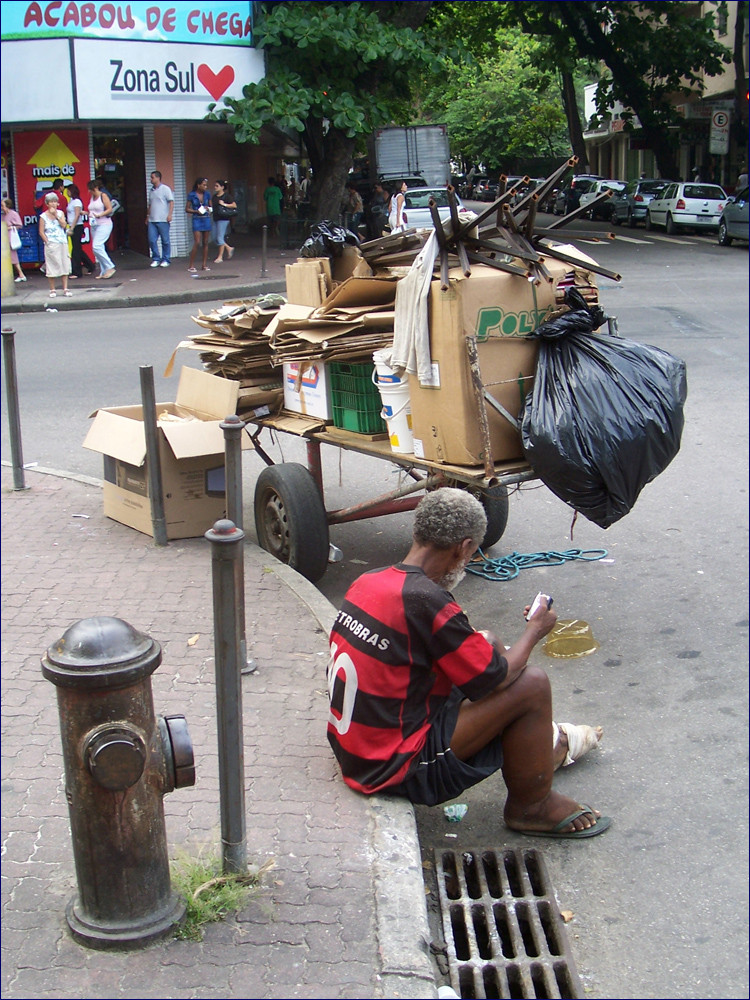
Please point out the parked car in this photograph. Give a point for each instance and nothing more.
(631, 204)
(569, 197)
(483, 189)
(687, 205)
(604, 209)
(734, 224)
(417, 206)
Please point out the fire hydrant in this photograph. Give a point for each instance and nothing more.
(119, 763)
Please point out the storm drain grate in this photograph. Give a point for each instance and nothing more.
(502, 927)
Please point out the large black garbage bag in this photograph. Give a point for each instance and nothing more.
(327, 240)
(605, 416)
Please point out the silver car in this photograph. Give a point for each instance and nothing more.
(417, 206)
(734, 223)
(631, 205)
(690, 204)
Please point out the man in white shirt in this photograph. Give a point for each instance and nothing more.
(160, 206)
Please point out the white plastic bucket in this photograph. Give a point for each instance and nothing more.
(397, 414)
(382, 373)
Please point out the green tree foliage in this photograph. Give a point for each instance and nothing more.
(502, 106)
(334, 72)
(652, 52)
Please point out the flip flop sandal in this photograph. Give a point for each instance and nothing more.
(558, 832)
(193, 270)
(67, 294)
(52, 295)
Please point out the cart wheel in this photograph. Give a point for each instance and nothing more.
(495, 503)
(290, 519)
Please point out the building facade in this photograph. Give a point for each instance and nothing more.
(707, 133)
(117, 90)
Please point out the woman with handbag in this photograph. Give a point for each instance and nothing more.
(224, 210)
(100, 211)
(14, 223)
(199, 207)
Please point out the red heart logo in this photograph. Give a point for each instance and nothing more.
(215, 83)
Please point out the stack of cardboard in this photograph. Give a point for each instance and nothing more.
(490, 287)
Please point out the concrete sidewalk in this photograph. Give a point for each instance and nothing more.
(341, 913)
(251, 271)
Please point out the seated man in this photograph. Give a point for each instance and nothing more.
(424, 706)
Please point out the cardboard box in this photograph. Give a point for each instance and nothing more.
(498, 309)
(191, 455)
(308, 391)
(308, 281)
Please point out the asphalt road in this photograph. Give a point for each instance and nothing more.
(660, 901)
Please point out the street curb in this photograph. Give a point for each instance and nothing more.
(262, 287)
(401, 911)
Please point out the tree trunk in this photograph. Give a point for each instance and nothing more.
(739, 126)
(331, 158)
(574, 122)
(663, 149)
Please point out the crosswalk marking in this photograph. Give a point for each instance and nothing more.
(631, 239)
(652, 237)
(670, 239)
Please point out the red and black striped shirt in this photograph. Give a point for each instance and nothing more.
(398, 646)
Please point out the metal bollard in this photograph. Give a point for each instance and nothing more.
(226, 559)
(263, 252)
(233, 427)
(14, 419)
(119, 763)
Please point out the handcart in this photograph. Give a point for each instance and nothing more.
(291, 518)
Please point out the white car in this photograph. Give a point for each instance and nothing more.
(417, 206)
(690, 203)
(605, 209)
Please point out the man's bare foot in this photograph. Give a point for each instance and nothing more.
(544, 816)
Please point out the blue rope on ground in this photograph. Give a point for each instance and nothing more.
(508, 567)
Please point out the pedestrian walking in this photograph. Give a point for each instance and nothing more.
(159, 220)
(273, 197)
(224, 210)
(199, 209)
(396, 214)
(353, 208)
(377, 212)
(78, 259)
(14, 223)
(53, 232)
(100, 223)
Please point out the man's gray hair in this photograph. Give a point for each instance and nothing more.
(447, 516)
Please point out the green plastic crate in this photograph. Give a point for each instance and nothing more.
(355, 400)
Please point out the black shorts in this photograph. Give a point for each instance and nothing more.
(437, 775)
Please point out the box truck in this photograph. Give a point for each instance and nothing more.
(411, 152)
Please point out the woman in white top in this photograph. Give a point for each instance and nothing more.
(53, 232)
(100, 224)
(397, 215)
